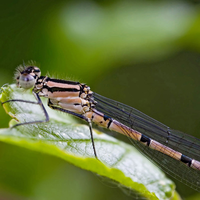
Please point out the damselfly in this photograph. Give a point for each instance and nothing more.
(175, 152)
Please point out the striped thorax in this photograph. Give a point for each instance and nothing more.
(69, 95)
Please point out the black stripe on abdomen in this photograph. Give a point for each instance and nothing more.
(145, 139)
(186, 160)
(105, 117)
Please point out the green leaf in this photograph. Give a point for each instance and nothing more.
(63, 137)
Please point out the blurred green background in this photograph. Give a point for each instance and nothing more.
(145, 54)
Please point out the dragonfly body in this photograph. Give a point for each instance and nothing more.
(77, 99)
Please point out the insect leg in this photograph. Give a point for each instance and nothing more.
(39, 102)
(79, 116)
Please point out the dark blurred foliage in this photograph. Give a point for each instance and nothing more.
(144, 54)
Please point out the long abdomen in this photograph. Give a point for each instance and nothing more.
(107, 122)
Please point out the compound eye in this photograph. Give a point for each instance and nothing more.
(26, 81)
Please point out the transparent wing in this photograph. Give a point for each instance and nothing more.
(186, 144)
